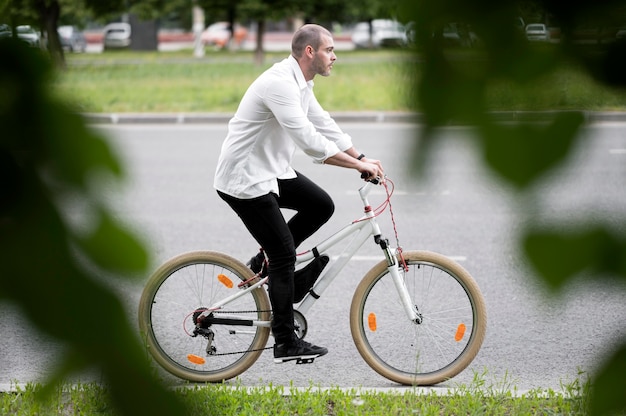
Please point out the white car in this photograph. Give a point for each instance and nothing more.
(28, 35)
(116, 36)
(537, 32)
(384, 33)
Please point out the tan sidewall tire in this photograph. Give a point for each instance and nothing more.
(478, 335)
(153, 284)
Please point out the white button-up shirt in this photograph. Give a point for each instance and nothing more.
(277, 114)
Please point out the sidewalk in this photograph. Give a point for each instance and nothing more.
(341, 117)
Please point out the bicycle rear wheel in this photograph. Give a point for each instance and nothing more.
(453, 326)
(174, 297)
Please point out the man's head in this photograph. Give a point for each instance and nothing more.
(313, 47)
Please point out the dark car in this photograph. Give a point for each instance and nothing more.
(72, 39)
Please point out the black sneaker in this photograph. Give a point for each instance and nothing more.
(258, 265)
(301, 351)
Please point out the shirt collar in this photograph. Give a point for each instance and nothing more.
(302, 83)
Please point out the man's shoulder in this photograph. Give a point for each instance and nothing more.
(280, 68)
(280, 73)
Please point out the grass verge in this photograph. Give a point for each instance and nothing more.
(361, 81)
(89, 399)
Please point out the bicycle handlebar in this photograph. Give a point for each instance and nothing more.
(375, 180)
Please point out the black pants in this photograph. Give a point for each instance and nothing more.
(263, 218)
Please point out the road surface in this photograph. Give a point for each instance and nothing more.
(533, 340)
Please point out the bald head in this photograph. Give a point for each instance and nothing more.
(310, 34)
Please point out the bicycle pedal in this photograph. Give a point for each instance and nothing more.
(305, 360)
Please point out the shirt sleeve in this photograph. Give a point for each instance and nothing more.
(284, 101)
(324, 123)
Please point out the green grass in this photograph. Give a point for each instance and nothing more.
(477, 398)
(568, 88)
(361, 81)
(176, 82)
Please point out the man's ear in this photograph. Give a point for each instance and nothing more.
(308, 50)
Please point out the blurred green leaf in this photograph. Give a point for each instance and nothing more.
(523, 153)
(560, 256)
(448, 92)
(80, 151)
(46, 150)
(607, 397)
(113, 248)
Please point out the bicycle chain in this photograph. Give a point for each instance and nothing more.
(255, 311)
(244, 351)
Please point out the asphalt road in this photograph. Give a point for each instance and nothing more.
(458, 209)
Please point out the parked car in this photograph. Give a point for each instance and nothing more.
(117, 36)
(218, 35)
(72, 39)
(385, 33)
(5, 31)
(537, 32)
(28, 35)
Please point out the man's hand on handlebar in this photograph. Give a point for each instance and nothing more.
(371, 169)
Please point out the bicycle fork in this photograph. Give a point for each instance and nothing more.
(393, 267)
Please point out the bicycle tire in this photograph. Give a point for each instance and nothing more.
(178, 289)
(443, 344)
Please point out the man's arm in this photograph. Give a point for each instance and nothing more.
(370, 168)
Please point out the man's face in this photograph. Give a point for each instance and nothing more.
(324, 57)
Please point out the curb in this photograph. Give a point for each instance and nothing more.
(343, 117)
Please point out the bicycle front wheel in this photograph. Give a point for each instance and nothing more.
(172, 301)
(450, 331)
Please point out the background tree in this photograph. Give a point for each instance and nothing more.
(453, 87)
(46, 14)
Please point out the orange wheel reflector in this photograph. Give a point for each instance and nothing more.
(225, 281)
(371, 321)
(195, 359)
(460, 332)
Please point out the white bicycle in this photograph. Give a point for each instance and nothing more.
(417, 317)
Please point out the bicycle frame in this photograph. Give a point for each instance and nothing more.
(362, 229)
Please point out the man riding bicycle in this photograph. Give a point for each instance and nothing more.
(278, 114)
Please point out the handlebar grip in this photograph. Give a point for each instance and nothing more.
(375, 181)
